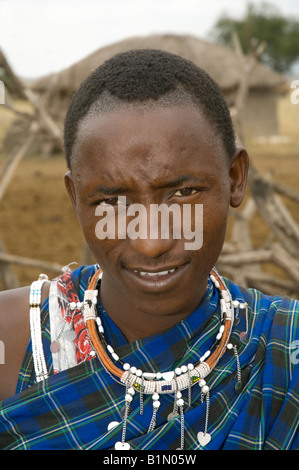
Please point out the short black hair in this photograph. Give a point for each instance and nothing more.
(141, 75)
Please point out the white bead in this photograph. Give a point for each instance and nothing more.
(184, 369)
(158, 375)
(128, 397)
(131, 391)
(190, 366)
(139, 372)
(229, 346)
(236, 303)
(126, 366)
(110, 348)
(180, 402)
(155, 396)
(98, 320)
(149, 375)
(219, 336)
(179, 395)
(101, 329)
(178, 371)
(221, 330)
(168, 375)
(42, 276)
(115, 356)
(156, 404)
(112, 425)
(73, 305)
(205, 389)
(133, 369)
(201, 382)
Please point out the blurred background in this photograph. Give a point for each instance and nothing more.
(250, 48)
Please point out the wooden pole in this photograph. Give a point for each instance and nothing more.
(29, 262)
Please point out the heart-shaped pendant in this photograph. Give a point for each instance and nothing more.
(55, 346)
(172, 416)
(244, 337)
(122, 446)
(203, 438)
(70, 335)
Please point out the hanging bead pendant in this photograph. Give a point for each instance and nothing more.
(122, 446)
(203, 438)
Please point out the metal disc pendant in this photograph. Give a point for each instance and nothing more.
(244, 337)
(123, 411)
(238, 387)
(122, 446)
(55, 346)
(172, 415)
(203, 438)
(70, 335)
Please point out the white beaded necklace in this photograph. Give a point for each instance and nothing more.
(157, 384)
(134, 379)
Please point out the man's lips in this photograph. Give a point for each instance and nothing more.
(156, 278)
(160, 272)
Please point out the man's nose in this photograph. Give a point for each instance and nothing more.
(153, 238)
(151, 248)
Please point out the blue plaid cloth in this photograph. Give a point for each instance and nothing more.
(72, 409)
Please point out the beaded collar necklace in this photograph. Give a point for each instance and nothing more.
(157, 384)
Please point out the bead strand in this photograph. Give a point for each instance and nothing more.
(35, 328)
(181, 378)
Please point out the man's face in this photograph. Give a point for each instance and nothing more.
(154, 156)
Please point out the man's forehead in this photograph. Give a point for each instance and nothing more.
(156, 147)
(168, 115)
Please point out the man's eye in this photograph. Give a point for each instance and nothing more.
(185, 192)
(112, 201)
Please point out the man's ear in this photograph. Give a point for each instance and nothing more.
(70, 187)
(238, 176)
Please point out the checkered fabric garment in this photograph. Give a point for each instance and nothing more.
(72, 409)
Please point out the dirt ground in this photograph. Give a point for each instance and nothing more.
(38, 221)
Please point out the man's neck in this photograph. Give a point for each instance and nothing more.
(137, 321)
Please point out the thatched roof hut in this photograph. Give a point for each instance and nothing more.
(222, 63)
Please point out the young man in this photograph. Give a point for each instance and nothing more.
(154, 351)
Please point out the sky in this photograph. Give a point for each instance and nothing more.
(43, 36)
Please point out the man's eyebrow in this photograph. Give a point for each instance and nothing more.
(114, 190)
(181, 180)
(107, 190)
